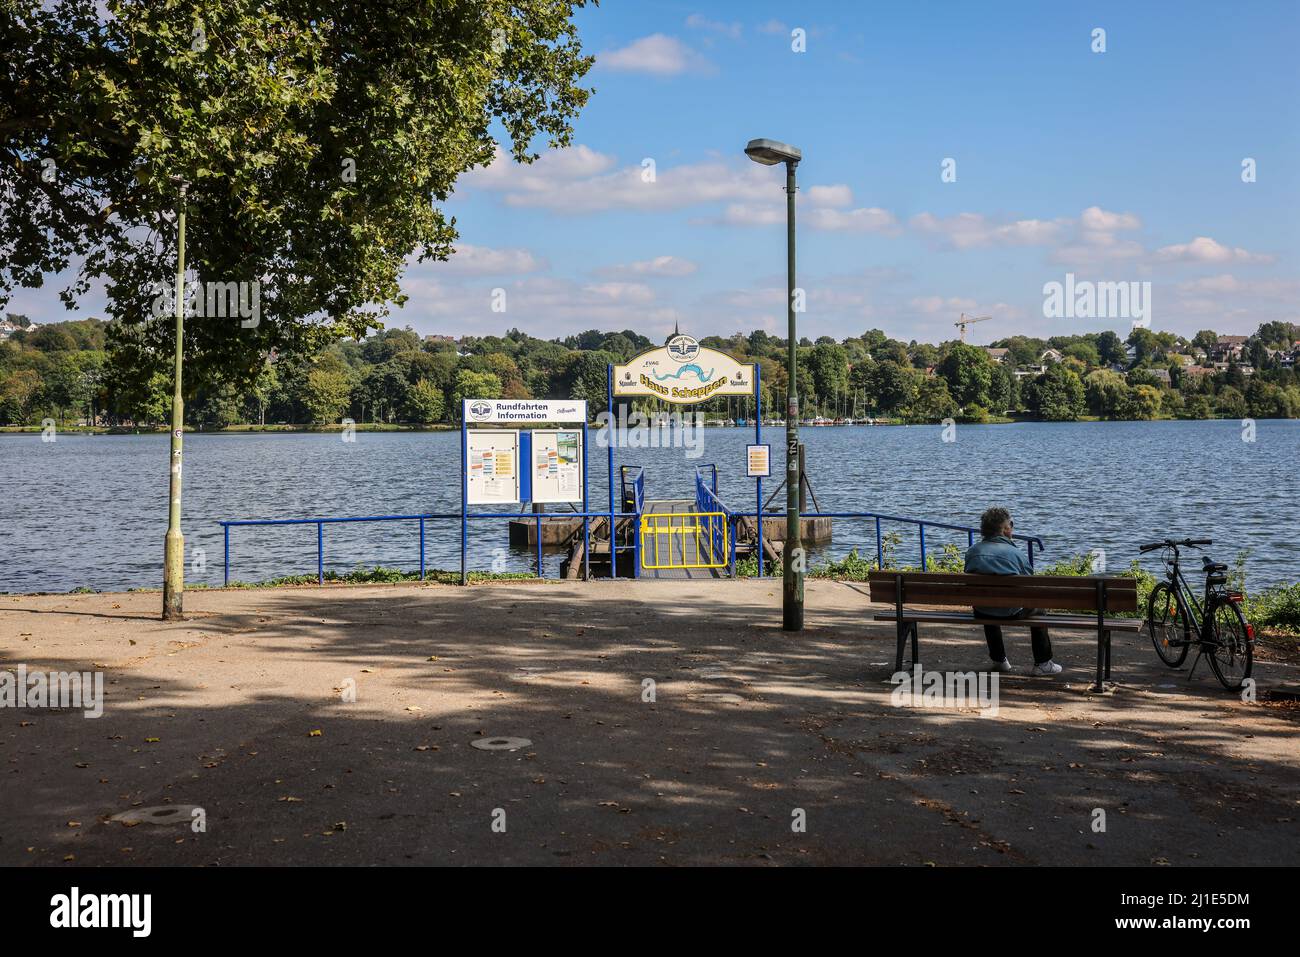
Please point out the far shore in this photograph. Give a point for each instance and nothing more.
(452, 427)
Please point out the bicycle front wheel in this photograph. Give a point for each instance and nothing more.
(1165, 625)
(1233, 654)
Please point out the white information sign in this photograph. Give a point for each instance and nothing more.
(557, 466)
(493, 465)
(758, 461)
(525, 411)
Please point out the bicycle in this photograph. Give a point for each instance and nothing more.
(1216, 626)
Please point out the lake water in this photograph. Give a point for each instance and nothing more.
(91, 510)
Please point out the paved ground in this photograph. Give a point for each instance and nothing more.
(748, 727)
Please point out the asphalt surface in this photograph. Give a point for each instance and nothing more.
(750, 747)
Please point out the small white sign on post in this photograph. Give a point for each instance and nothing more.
(493, 466)
(758, 461)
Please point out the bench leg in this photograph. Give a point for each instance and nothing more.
(903, 629)
(1108, 656)
(1101, 662)
(916, 652)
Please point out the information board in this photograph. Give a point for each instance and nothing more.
(493, 465)
(557, 465)
(758, 461)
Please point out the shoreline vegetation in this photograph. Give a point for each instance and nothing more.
(85, 374)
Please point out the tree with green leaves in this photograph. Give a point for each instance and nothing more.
(319, 141)
(1057, 395)
(968, 373)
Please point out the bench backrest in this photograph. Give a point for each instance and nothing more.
(1070, 592)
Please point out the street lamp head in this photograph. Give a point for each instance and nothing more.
(771, 152)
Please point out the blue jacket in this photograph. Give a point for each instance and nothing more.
(997, 556)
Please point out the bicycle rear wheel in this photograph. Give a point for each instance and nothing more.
(1165, 625)
(1233, 655)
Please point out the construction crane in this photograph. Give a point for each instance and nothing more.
(965, 321)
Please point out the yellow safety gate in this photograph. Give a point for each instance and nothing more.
(684, 540)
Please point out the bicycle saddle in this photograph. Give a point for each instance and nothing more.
(1211, 566)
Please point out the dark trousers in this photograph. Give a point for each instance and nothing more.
(1039, 638)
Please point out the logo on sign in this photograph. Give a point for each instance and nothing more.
(683, 348)
(480, 410)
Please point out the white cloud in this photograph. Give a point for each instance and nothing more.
(659, 266)
(1203, 249)
(930, 305)
(744, 214)
(772, 27)
(657, 54)
(837, 195)
(620, 291)
(1094, 218)
(570, 163)
(974, 230)
(469, 260)
(865, 220)
(730, 30)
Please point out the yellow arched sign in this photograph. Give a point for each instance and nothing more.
(683, 372)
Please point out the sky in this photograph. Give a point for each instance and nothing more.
(1124, 165)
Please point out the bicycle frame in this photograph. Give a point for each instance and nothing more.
(1197, 614)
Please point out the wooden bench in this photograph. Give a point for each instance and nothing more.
(1095, 595)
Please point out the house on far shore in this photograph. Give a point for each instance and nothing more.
(1051, 355)
(1026, 372)
(1197, 372)
(1161, 375)
(998, 355)
(1228, 348)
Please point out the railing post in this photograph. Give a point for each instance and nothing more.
(539, 547)
(1031, 554)
(422, 549)
(226, 561)
(880, 546)
(320, 553)
(921, 526)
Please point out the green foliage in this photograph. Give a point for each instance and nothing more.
(1057, 395)
(319, 142)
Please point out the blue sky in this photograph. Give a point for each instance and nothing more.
(1116, 166)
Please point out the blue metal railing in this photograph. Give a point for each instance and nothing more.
(422, 519)
(722, 534)
(633, 505)
(921, 525)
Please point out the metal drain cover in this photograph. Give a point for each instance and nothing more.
(500, 744)
(163, 814)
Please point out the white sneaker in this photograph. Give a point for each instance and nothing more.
(1003, 666)
(1046, 668)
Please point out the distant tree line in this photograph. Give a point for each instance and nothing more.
(85, 371)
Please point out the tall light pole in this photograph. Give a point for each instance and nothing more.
(769, 153)
(174, 549)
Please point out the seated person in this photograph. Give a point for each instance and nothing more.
(996, 554)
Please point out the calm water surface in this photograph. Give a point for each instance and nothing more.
(92, 510)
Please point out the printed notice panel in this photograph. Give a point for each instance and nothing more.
(557, 465)
(493, 465)
(758, 461)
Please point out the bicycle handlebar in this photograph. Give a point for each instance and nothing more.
(1173, 543)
